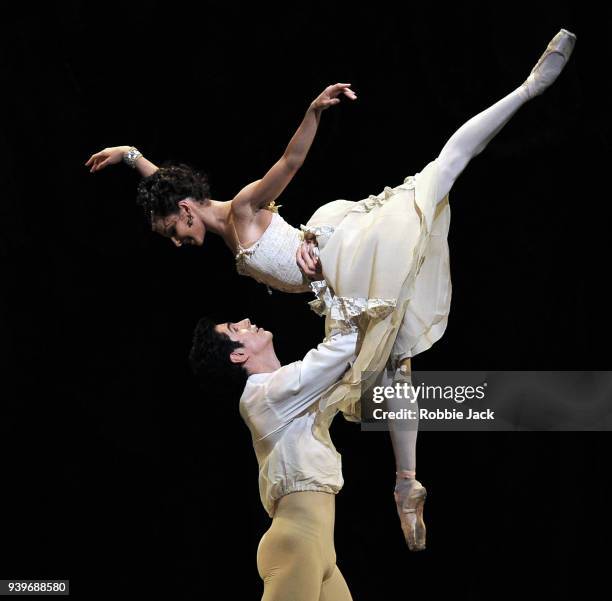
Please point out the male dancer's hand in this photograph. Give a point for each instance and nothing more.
(308, 262)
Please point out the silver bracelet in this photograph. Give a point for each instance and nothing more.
(131, 156)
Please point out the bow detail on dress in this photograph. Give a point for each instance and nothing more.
(374, 200)
(241, 256)
(272, 206)
(409, 183)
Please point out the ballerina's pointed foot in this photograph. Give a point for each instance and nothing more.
(409, 502)
(550, 64)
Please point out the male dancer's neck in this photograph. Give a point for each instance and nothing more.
(265, 363)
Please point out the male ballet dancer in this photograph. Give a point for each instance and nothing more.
(299, 468)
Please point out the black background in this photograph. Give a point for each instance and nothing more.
(116, 471)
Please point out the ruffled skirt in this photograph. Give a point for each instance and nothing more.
(387, 274)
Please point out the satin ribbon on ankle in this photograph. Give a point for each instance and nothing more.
(405, 365)
(406, 474)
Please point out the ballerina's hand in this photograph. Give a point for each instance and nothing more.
(309, 264)
(108, 156)
(329, 96)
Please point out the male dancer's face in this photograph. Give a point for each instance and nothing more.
(253, 340)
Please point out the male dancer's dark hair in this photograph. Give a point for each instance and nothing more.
(209, 357)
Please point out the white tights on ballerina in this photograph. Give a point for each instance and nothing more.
(474, 135)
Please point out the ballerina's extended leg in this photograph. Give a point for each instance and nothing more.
(474, 135)
(466, 143)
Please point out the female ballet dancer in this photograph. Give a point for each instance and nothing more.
(383, 262)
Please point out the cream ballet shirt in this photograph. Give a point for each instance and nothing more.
(294, 452)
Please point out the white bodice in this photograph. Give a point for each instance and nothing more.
(271, 260)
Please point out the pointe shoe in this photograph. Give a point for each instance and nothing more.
(543, 75)
(410, 512)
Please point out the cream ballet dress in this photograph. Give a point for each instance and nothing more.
(386, 265)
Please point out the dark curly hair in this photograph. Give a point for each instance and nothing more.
(160, 193)
(209, 358)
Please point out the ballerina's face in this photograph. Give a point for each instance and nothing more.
(253, 339)
(184, 227)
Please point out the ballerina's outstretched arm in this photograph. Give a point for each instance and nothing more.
(116, 154)
(474, 135)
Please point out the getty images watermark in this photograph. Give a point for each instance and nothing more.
(405, 390)
(487, 400)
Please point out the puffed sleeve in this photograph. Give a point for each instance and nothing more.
(295, 387)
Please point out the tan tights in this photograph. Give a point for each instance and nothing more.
(296, 557)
